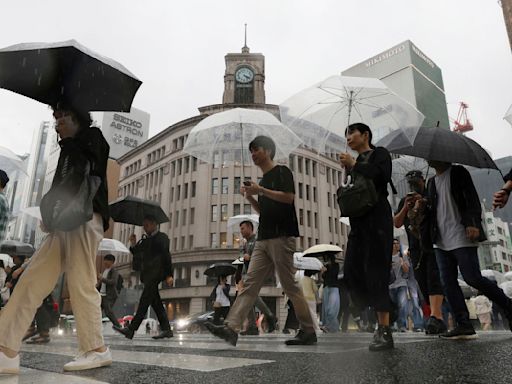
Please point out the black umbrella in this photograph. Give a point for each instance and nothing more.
(132, 210)
(67, 72)
(13, 247)
(220, 269)
(439, 144)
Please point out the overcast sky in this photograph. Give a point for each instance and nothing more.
(177, 49)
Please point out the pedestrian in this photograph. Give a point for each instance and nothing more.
(310, 291)
(247, 232)
(344, 313)
(39, 331)
(421, 251)
(153, 248)
(291, 322)
(398, 289)
(220, 298)
(456, 228)
(370, 242)
(4, 205)
(483, 309)
(331, 295)
(107, 286)
(72, 251)
(275, 244)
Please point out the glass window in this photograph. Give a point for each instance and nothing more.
(187, 164)
(291, 162)
(307, 192)
(185, 191)
(194, 164)
(328, 199)
(215, 186)
(214, 240)
(301, 216)
(306, 166)
(183, 245)
(236, 185)
(247, 209)
(184, 217)
(308, 217)
(192, 215)
(193, 189)
(328, 174)
(178, 192)
(172, 194)
(215, 213)
(236, 209)
(178, 165)
(316, 220)
(300, 191)
(224, 212)
(177, 218)
(224, 186)
(330, 224)
(223, 240)
(191, 241)
(314, 168)
(299, 164)
(314, 194)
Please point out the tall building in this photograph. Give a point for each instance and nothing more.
(199, 197)
(411, 74)
(496, 252)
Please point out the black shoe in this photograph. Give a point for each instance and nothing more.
(127, 332)
(435, 326)
(251, 331)
(163, 335)
(382, 339)
(508, 315)
(223, 332)
(460, 332)
(302, 338)
(271, 322)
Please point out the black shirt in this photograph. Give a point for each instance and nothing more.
(277, 219)
(414, 243)
(331, 275)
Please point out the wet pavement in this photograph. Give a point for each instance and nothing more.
(340, 358)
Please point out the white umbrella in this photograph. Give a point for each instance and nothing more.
(229, 133)
(235, 221)
(8, 262)
(493, 275)
(112, 245)
(508, 276)
(311, 263)
(507, 288)
(238, 261)
(508, 115)
(10, 162)
(322, 248)
(34, 212)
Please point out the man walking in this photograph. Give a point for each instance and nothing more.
(274, 247)
(4, 205)
(455, 213)
(156, 267)
(107, 285)
(247, 232)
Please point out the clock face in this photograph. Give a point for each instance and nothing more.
(244, 75)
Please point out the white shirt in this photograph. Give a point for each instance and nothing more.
(103, 289)
(221, 297)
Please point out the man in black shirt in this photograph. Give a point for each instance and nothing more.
(274, 247)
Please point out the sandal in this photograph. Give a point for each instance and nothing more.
(39, 339)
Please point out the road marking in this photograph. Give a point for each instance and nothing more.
(31, 376)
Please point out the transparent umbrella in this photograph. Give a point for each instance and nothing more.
(508, 115)
(225, 136)
(10, 162)
(235, 221)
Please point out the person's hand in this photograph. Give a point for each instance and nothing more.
(169, 280)
(99, 277)
(8, 285)
(247, 257)
(42, 227)
(472, 233)
(17, 273)
(132, 239)
(251, 189)
(347, 161)
(323, 269)
(411, 199)
(500, 199)
(420, 203)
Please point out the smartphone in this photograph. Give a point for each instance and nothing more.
(247, 183)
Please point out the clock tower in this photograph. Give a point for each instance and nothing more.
(244, 79)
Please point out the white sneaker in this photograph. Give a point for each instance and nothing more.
(89, 360)
(9, 365)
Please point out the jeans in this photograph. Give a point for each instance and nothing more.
(467, 261)
(399, 297)
(331, 309)
(414, 305)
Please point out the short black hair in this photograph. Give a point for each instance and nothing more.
(110, 257)
(4, 179)
(248, 222)
(264, 142)
(151, 218)
(82, 117)
(361, 128)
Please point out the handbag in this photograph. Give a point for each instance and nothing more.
(63, 211)
(360, 196)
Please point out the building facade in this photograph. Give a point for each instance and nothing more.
(199, 197)
(496, 252)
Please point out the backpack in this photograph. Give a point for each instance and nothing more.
(119, 284)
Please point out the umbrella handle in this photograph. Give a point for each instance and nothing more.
(346, 180)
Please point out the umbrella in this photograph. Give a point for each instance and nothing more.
(315, 250)
(14, 247)
(493, 275)
(229, 133)
(508, 115)
(7, 260)
(10, 162)
(34, 212)
(132, 210)
(112, 245)
(507, 287)
(508, 276)
(220, 269)
(304, 263)
(320, 114)
(234, 221)
(440, 144)
(67, 71)
(238, 261)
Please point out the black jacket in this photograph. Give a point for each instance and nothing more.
(465, 196)
(156, 258)
(226, 289)
(87, 145)
(111, 284)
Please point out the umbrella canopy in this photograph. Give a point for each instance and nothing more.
(506, 286)
(112, 245)
(322, 248)
(440, 144)
(7, 260)
(311, 263)
(320, 114)
(10, 162)
(225, 136)
(235, 221)
(14, 247)
(220, 269)
(508, 276)
(508, 115)
(34, 212)
(132, 210)
(67, 71)
(238, 261)
(493, 275)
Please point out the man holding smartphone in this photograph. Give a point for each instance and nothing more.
(275, 245)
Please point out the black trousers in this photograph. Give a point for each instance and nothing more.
(43, 319)
(220, 312)
(150, 297)
(106, 305)
(426, 272)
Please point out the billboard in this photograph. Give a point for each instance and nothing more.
(123, 131)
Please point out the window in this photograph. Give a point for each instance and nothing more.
(192, 215)
(308, 218)
(224, 212)
(191, 241)
(503, 255)
(170, 219)
(300, 191)
(215, 213)
(301, 216)
(183, 245)
(224, 186)
(184, 217)
(328, 199)
(299, 164)
(185, 191)
(178, 165)
(215, 186)
(223, 240)
(307, 192)
(500, 231)
(236, 209)
(247, 209)
(172, 194)
(187, 164)
(328, 174)
(236, 185)
(175, 244)
(291, 162)
(193, 189)
(310, 242)
(178, 192)
(177, 218)
(194, 164)
(214, 240)
(313, 164)
(316, 220)
(330, 224)
(336, 224)
(314, 194)
(306, 166)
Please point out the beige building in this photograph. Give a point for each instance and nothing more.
(199, 197)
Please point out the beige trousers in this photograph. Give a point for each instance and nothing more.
(267, 256)
(73, 253)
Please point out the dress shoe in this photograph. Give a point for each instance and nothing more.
(302, 338)
(382, 339)
(223, 332)
(127, 332)
(163, 335)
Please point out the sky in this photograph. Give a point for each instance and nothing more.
(177, 49)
